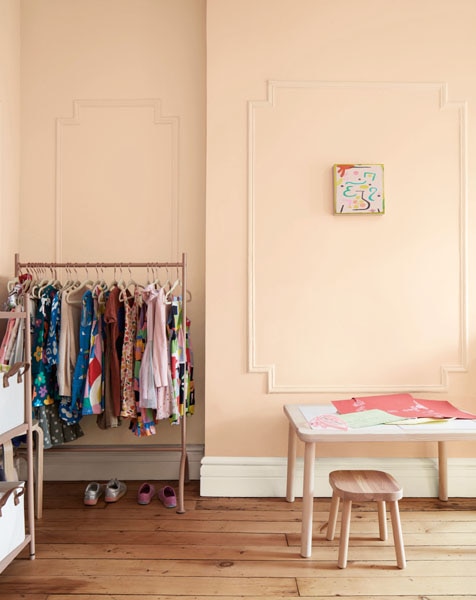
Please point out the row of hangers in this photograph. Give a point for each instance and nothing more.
(36, 282)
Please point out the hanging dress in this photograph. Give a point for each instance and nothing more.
(45, 396)
(82, 362)
(181, 362)
(154, 373)
(43, 360)
(93, 397)
(71, 308)
(144, 423)
(114, 331)
(128, 400)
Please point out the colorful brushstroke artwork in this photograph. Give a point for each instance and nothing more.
(358, 189)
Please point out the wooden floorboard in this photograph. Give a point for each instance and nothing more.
(227, 548)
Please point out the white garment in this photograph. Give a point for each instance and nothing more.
(69, 338)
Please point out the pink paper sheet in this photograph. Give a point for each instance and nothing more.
(403, 405)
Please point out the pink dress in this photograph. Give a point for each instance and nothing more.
(154, 372)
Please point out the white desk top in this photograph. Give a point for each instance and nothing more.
(300, 415)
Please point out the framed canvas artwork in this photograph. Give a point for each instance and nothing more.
(358, 189)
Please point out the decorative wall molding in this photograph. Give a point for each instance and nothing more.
(157, 119)
(273, 86)
(244, 477)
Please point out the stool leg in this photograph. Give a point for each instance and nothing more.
(397, 535)
(382, 519)
(331, 525)
(344, 534)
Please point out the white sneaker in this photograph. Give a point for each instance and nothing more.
(114, 490)
(92, 493)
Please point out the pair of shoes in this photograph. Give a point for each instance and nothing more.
(112, 490)
(115, 489)
(167, 496)
(92, 493)
(145, 493)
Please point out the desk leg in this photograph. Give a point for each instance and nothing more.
(442, 471)
(291, 464)
(307, 500)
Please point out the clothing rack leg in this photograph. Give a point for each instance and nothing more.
(183, 472)
(183, 466)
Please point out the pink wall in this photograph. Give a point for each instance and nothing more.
(318, 306)
(9, 134)
(301, 305)
(113, 147)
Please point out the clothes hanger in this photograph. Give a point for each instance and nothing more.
(172, 287)
(70, 282)
(21, 283)
(100, 287)
(52, 281)
(156, 281)
(100, 282)
(79, 285)
(11, 283)
(37, 283)
(120, 283)
(131, 283)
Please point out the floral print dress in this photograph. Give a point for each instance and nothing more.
(44, 360)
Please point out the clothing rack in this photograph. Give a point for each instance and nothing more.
(182, 266)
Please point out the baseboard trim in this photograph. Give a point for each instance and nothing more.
(250, 477)
(96, 463)
(266, 477)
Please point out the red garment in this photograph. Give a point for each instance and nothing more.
(113, 350)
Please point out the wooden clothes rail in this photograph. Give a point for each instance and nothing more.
(182, 265)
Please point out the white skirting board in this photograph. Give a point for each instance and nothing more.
(93, 463)
(266, 477)
(251, 477)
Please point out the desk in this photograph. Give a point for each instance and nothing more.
(299, 428)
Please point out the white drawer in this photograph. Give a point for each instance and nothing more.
(12, 397)
(12, 519)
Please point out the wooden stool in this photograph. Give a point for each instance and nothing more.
(362, 486)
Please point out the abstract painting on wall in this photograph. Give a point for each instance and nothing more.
(358, 189)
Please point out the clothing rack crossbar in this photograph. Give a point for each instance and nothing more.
(182, 447)
(94, 265)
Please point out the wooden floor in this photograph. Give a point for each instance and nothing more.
(226, 548)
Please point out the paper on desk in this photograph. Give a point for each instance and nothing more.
(328, 421)
(403, 405)
(422, 421)
(368, 418)
(454, 425)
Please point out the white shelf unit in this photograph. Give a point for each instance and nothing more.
(22, 429)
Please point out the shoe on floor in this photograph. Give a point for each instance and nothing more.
(167, 496)
(114, 490)
(145, 493)
(92, 493)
